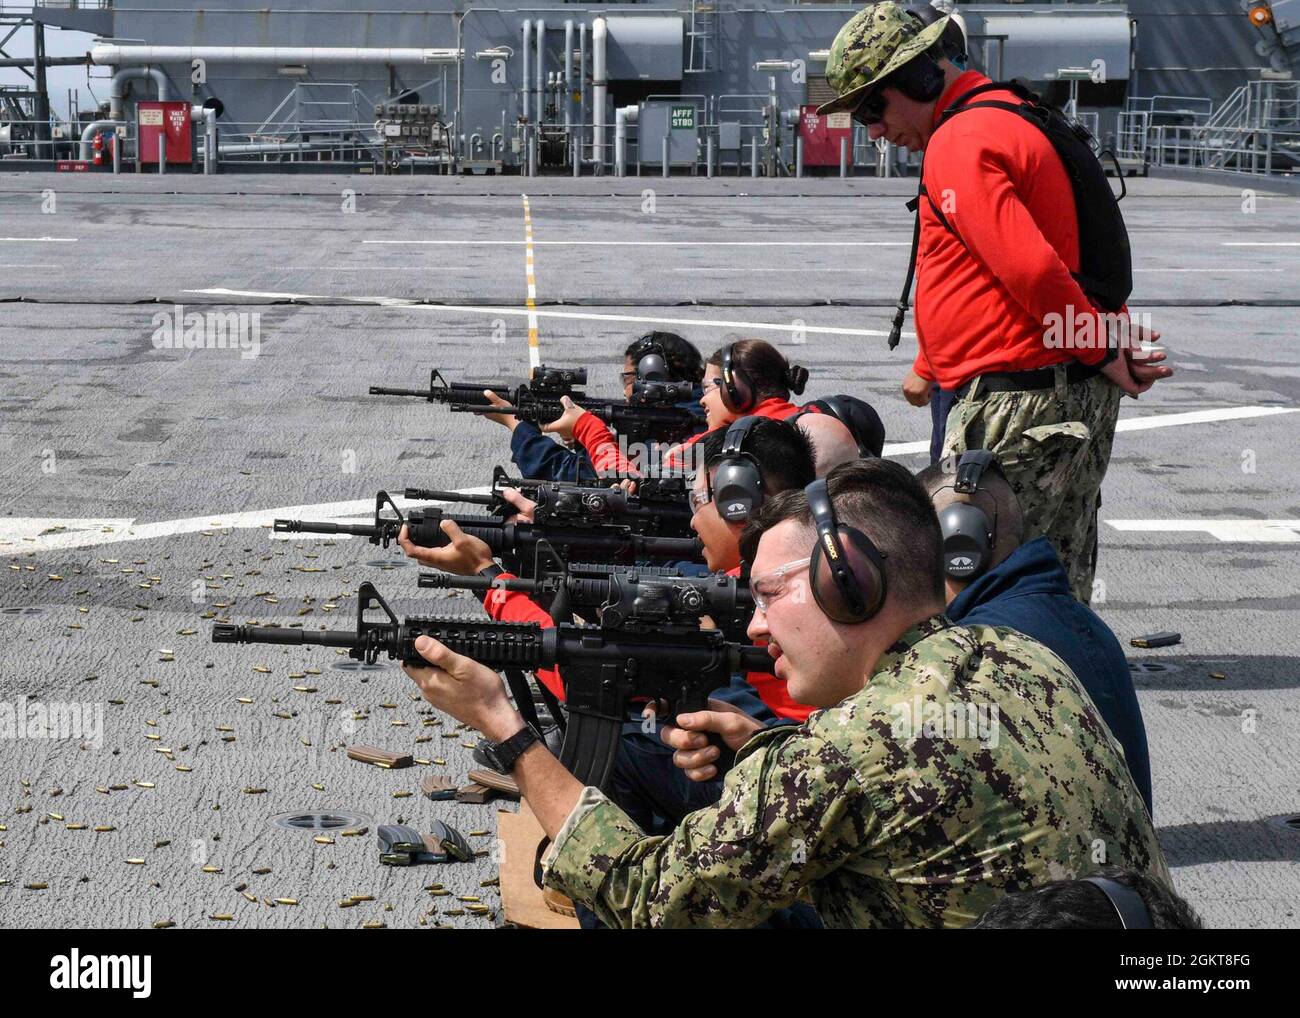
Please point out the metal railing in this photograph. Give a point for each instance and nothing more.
(38, 139)
(1132, 133)
(1250, 150)
(247, 141)
(1256, 130)
(1172, 108)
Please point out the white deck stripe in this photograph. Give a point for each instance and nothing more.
(399, 302)
(653, 243)
(20, 535)
(1228, 531)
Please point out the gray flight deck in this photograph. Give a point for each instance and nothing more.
(139, 482)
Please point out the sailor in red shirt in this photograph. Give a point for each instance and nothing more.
(994, 281)
(749, 377)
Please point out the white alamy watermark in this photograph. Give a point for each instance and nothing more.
(32, 719)
(1086, 329)
(919, 718)
(649, 459)
(179, 329)
(77, 971)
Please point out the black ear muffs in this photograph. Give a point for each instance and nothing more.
(967, 540)
(847, 571)
(651, 360)
(737, 392)
(738, 484)
(652, 367)
(967, 532)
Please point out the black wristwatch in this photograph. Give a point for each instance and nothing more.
(502, 756)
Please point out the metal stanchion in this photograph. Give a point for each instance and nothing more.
(798, 157)
(844, 157)
(665, 155)
(117, 153)
(753, 156)
(577, 156)
(162, 154)
(708, 156)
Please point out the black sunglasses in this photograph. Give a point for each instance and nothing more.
(871, 110)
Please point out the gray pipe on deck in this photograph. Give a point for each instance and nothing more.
(540, 70)
(568, 77)
(528, 46)
(117, 89)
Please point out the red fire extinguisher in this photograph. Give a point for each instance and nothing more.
(99, 150)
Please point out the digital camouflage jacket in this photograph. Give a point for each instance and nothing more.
(971, 764)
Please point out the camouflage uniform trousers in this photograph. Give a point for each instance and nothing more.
(1054, 447)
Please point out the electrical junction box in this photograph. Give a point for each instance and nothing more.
(156, 119)
(679, 122)
(822, 136)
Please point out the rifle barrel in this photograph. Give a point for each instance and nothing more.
(227, 633)
(449, 581)
(308, 527)
(434, 495)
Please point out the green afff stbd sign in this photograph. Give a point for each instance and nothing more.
(683, 118)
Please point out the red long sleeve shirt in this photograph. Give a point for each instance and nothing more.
(516, 606)
(985, 294)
